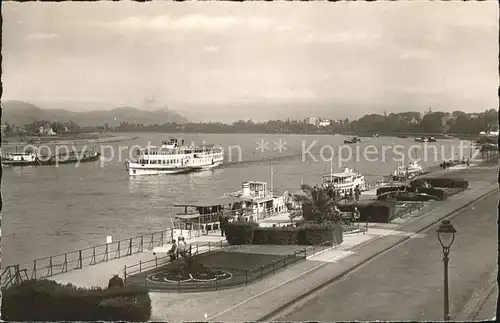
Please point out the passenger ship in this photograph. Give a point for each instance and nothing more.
(344, 182)
(173, 157)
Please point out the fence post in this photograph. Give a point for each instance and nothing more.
(125, 274)
(161, 242)
(118, 252)
(156, 261)
(106, 253)
(246, 277)
(179, 285)
(274, 269)
(209, 246)
(152, 241)
(65, 265)
(92, 260)
(142, 244)
(80, 259)
(197, 248)
(130, 247)
(50, 266)
(34, 268)
(261, 275)
(140, 266)
(221, 244)
(284, 262)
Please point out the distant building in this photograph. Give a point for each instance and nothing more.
(312, 120)
(325, 123)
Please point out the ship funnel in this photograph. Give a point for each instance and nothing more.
(245, 189)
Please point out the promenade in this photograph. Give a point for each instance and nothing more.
(382, 289)
(259, 299)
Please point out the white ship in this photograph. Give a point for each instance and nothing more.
(173, 157)
(344, 182)
(410, 171)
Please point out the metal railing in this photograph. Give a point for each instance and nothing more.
(78, 259)
(405, 208)
(143, 266)
(11, 275)
(246, 275)
(374, 184)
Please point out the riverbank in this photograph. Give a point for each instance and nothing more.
(73, 139)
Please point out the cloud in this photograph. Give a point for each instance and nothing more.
(415, 54)
(192, 22)
(41, 36)
(211, 48)
(341, 37)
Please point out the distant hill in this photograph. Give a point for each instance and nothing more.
(21, 113)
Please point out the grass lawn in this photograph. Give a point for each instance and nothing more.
(236, 260)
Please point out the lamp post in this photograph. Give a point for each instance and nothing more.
(446, 235)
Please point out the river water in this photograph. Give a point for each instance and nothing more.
(50, 210)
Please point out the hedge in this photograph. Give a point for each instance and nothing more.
(276, 236)
(376, 211)
(441, 182)
(386, 189)
(240, 232)
(47, 300)
(306, 234)
(440, 194)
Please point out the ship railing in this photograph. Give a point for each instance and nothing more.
(374, 184)
(64, 262)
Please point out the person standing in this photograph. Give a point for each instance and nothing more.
(172, 253)
(116, 281)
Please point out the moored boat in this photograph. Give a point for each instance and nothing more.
(32, 158)
(173, 157)
(352, 140)
(407, 172)
(425, 139)
(344, 182)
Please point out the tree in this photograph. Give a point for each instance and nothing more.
(318, 206)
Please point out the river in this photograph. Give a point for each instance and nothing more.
(49, 210)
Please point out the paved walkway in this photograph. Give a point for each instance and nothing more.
(99, 274)
(260, 298)
(383, 288)
(488, 309)
(256, 300)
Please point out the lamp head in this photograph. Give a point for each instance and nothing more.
(446, 233)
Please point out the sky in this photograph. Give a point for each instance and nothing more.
(220, 60)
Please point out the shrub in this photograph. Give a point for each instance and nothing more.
(441, 182)
(240, 232)
(440, 194)
(321, 234)
(386, 189)
(46, 300)
(374, 211)
(276, 236)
